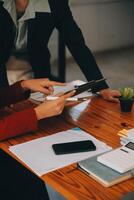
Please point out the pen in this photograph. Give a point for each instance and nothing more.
(69, 99)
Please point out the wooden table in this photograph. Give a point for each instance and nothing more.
(100, 118)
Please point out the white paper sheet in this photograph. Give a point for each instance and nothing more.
(40, 157)
(130, 134)
(37, 96)
(128, 138)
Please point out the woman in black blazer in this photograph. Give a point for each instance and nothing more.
(39, 31)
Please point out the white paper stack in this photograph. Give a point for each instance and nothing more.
(126, 136)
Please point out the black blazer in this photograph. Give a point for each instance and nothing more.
(39, 32)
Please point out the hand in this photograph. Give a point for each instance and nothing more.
(52, 108)
(43, 85)
(110, 95)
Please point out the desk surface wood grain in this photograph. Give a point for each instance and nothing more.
(100, 118)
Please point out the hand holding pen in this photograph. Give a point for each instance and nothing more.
(79, 89)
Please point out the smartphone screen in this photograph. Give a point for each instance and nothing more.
(74, 147)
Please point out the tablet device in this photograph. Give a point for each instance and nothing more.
(74, 147)
(82, 88)
(86, 87)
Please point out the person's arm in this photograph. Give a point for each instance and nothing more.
(13, 94)
(18, 123)
(74, 40)
(26, 121)
(21, 90)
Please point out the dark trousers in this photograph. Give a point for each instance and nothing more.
(18, 183)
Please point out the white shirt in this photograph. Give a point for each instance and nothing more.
(20, 61)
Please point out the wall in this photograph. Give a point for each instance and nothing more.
(106, 24)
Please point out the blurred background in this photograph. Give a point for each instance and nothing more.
(108, 28)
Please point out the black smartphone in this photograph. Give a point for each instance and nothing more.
(74, 147)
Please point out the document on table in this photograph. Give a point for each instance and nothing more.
(37, 96)
(126, 136)
(40, 157)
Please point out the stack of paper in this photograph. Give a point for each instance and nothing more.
(37, 96)
(40, 157)
(101, 173)
(126, 136)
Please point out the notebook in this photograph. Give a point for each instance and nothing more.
(126, 136)
(120, 159)
(101, 173)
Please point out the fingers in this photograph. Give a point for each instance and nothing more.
(52, 83)
(48, 85)
(47, 82)
(46, 91)
(52, 108)
(59, 94)
(114, 96)
(116, 93)
(110, 95)
(62, 100)
(70, 94)
(50, 88)
(113, 99)
(64, 97)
